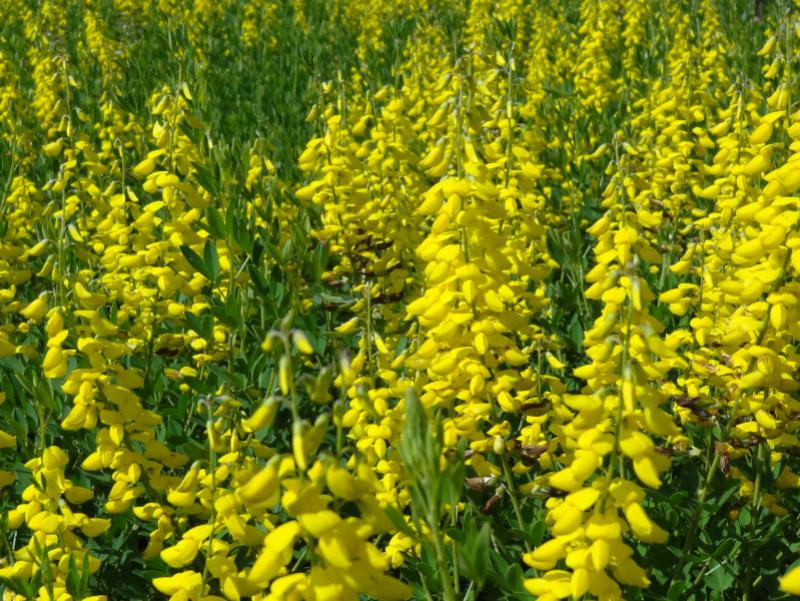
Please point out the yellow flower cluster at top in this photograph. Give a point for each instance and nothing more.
(315, 301)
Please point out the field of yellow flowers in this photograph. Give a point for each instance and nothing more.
(343, 300)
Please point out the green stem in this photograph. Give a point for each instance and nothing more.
(448, 590)
(755, 505)
(512, 494)
(212, 461)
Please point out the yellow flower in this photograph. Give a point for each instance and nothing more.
(181, 554)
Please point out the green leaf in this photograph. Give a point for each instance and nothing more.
(513, 577)
(195, 260)
(73, 578)
(17, 585)
(286, 252)
(399, 521)
(718, 578)
(85, 574)
(480, 551)
(242, 235)
(745, 517)
(576, 332)
(459, 535)
(211, 260)
(216, 224)
(676, 591)
(207, 178)
(258, 279)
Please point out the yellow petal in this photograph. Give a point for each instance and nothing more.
(181, 554)
(646, 471)
(319, 522)
(545, 556)
(95, 527)
(790, 583)
(7, 440)
(260, 487)
(188, 581)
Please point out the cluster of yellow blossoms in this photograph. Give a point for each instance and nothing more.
(315, 301)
